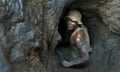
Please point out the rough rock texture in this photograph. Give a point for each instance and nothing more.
(28, 34)
(111, 15)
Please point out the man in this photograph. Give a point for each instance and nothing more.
(76, 40)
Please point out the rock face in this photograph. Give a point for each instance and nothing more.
(111, 15)
(29, 34)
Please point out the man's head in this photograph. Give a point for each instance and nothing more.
(73, 19)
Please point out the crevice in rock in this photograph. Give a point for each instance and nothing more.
(90, 18)
(97, 30)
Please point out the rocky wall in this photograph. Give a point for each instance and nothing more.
(29, 34)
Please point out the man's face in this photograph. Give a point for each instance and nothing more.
(71, 25)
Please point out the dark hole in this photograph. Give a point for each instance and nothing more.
(62, 31)
(85, 19)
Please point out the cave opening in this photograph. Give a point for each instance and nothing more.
(87, 16)
(90, 18)
(68, 55)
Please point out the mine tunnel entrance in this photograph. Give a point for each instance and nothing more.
(87, 19)
(91, 20)
(72, 54)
